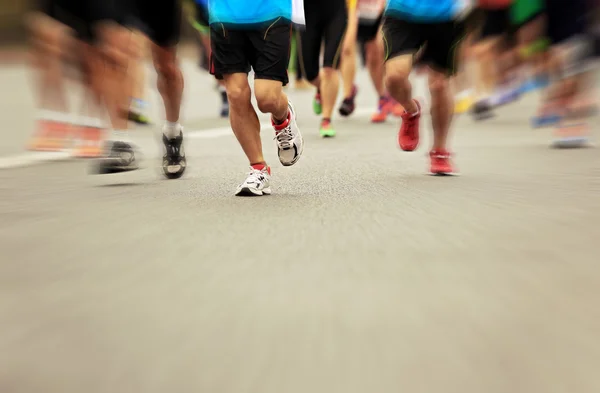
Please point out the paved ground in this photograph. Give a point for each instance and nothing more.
(360, 274)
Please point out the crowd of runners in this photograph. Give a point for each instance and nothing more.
(475, 55)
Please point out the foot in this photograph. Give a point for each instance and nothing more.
(138, 118)
(572, 135)
(408, 136)
(257, 182)
(383, 110)
(290, 143)
(117, 157)
(327, 130)
(348, 105)
(317, 107)
(224, 110)
(224, 104)
(174, 161)
(440, 162)
(482, 110)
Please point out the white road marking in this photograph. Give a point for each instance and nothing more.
(33, 158)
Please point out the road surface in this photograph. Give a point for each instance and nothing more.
(359, 274)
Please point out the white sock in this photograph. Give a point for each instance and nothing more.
(49, 115)
(119, 136)
(172, 129)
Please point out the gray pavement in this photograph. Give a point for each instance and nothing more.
(360, 274)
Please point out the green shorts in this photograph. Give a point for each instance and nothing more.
(524, 11)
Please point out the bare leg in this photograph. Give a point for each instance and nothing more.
(442, 106)
(244, 121)
(375, 53)
(348, 65)
(170, 80)
(330, 84)
(397, 71)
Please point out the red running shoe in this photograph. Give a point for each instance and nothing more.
(408, 137)
(440, 162)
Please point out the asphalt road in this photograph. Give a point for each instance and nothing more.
(359, 274)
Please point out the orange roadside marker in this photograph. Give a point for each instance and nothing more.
(50, 136)
(89, 142)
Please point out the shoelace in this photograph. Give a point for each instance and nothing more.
(410, 126)
(255, 176)
(173, 150)
(284, 137)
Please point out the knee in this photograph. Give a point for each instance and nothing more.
(349, 51)
(168, 70)
(328, 72)
(238, 93)
(438, 85)
(481, 51)
(267, 100)
(396, 78)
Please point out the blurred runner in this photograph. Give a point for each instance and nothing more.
(61, 34)
(569, 96)
(201, 24)
(463, 82)
(364, 27)
(256, 35)
(437, 26)
(301, 82)
(160, 20)
(325, 26)
(496, 56)
(137, 72)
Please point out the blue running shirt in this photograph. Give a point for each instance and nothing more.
(426, 11)
(249, 12)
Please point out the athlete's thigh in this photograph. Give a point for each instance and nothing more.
(334, 37)
(271, 51)
(442, 52)
(402, 37)
(310, 40)
(229, 51)
(161, 20)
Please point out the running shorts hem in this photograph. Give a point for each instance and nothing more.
(439, 42)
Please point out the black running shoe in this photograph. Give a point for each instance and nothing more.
(174, 162)
(138, 118)
(224, 105)
(482, 111)
(348, 105)
(119, 157)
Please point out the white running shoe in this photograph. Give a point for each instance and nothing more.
(257, 183)
(290, 143)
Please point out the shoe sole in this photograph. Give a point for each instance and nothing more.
(114, 170)
(175, 175)
(574, 143)
(249, 192)
(297, 158)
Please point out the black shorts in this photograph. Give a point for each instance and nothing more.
(566, 19)
(265, 49)
(75, 14)
(439, 41)
(367, 32)
(497, 23)
(160, 20)
(326, 26)
(202, 15)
